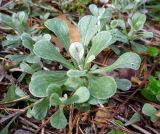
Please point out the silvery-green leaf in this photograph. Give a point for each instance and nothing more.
(6, 20)
(146, 35)
(42, 79)
(17, 58)
(83, 95)
(123, 84)
(29, 68)
(118, 23)
(102, 87)
(47, 37)
(137, 21)
(74, 83)
(94, 9)
(21, 16)
(39, 110)
(118, 36)
(99, 42)
(60, 28)
(55, 99)
(135, 118)
(76, 50)
(27, 41)
(58, 120)
(87, 28)
(53, 88)
(20, 92)
(95, 101)
(150, 111)
(126, 60)
(90, 59)
(137, 47)
(76, 73)
(32, 58)
(47, 50)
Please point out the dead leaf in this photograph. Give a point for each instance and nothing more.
(136, 80)
(158, 114)
(102, 115)
(73, 33)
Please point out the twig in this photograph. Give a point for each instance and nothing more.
(70, 117)
(74, 122)
(13, 101)
(12, 109)
(153, 130)
(42, 126)
(43, 129)
(24, 121)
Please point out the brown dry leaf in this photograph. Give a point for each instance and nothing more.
(73, 33)
(73, 30)
(102, 115)
(158, 114)
(136, 80)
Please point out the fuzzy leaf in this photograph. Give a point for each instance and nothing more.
(123, 84)
(58, 120)
(60, 28)
(99, 42)
(75, 73)
(39, 110)
(47, 50)
(135, 118)
(83, 95)
(55, 99)
(42, 79)
(150, 111)
(137, 21)
(126, 60)
(87, 28)
(76, 50)
(103, 87)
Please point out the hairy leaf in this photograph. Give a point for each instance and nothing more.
(87, 28)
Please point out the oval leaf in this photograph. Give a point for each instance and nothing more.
(123, 84)
(103, 87)
(77, 51)
(39, 110)
(42, 79)
(58, 120)
(137, 21)
(83, 94)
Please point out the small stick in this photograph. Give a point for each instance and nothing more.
(42, 126)
(12, 109)
(13, 101)
(153, 130)
(74, 122)
(43, 129)
(24, 121)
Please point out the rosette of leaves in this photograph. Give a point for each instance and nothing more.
(23, 36)
(83, 83)
(119, 28)
(126, 6)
